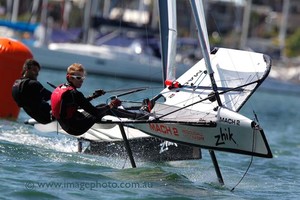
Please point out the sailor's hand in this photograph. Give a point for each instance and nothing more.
(99, 93)
(115, 103)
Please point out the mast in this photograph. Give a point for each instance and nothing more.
(283, 26)
(198, 11)
(14, 17)
(86, 20)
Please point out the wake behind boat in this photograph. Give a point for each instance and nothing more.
(111, 140)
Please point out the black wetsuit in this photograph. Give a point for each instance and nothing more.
(32, 97)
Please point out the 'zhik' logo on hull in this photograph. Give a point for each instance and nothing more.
(225, 135)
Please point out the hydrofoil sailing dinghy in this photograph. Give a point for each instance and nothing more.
(108, 137)
(201, 107)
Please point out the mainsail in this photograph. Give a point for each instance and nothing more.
(229, 76)
(168, 28)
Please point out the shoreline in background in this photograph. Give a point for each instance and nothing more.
(287, 71)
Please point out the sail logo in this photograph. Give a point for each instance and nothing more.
(230, 121)
(200, 72)
(164, 129)
(224, 136)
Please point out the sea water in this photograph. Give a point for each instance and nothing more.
(37, 165)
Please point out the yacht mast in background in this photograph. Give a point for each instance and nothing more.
(283, 26)
(246, 23)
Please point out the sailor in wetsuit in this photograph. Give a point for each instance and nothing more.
(30, 94)
(66, 100)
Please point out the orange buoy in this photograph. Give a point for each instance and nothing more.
(13, 54)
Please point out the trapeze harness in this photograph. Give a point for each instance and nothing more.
(56, 102)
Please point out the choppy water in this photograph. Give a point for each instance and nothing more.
(36, 165)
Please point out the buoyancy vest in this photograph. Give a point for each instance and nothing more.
(56, 102)
(17, 91)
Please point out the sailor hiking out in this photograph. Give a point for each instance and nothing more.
(66, 102)
(31, 95)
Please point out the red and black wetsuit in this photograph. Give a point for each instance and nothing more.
(76, 122)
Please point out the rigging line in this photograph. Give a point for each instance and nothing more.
(192, 86)
(131, 90)
(255, 116)
(228, 79)
(180, 102)
(207, 98)
(184, 107)
(131, 101)
(96, 94)
(228, 89)
(233, 100)
(166, 108)
(202, 72)
(197, 86)
(209, 88)
(125, 161)
(127, 89)
(250, 163)
(250, 78)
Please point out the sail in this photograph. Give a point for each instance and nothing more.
(224, 77)
(168, 32)
(237, 74)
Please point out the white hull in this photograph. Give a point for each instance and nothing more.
(231, 132)
(107, 140)
(226, 131)
(97, 133)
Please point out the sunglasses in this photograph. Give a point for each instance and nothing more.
(78, 77)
